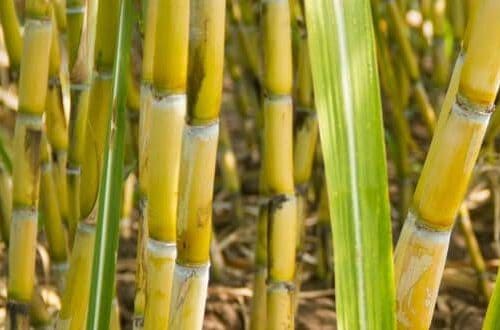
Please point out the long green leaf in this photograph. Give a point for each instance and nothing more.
(110, 193)
(342, 48)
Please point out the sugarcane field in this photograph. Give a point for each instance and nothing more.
(249, 164)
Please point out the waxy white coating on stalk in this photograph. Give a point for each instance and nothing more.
(189, 293)
(160, 267)
(280, 307)
(420, 257)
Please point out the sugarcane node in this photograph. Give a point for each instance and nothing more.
(199, 122)
(38, 9)
(73, 171)
(86, 227)
(421, 224)
(191, 270)
(280, 285)
(276, 202)
(469, 106)
(162, 249)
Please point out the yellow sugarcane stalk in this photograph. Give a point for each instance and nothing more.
(5, 203)
(194, 226)
(400, 29)
(114, 322)
(26, 170)
(476, 256)
(166, 116)
(57, 132)
(80, 45)
(305, 141)
(421, 251)
(93, 131)
(440, 58)
(197, 169)
(228, 165)
(277, 165)
(74, 303)
(258, 311)
(12, 33)
(167, 122)
(50, 213)
(143, 150)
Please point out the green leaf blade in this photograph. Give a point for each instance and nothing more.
(341, 42)
(110, 193)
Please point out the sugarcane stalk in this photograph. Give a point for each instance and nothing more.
(114, 322)
(305, 141)
(167, 116)
(228, 165)
(282, 238)
(74, 303)
(277, 163)
(143, 150)
(167, 122)
(474, 251)
(403, 140)
(456, 14)
(276, 178)
(80, 45)
(245, 94)
(198, 159)
(421, 250)
(194, 227)
(400, 30)
(26, 170)
(258, 311)
(133, 113)
(247, 33)
(12, 34)
(57, 132)
(86, 164)
(5, 203)
(440, 58)
(50, 213)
